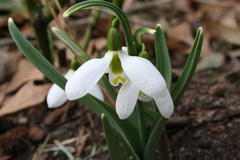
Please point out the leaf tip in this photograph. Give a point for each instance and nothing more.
(159, 26)
(54, 29)
(200, 30)
(65, 14)
(102, 116)
(10, 20)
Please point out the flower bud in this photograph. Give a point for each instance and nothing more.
(113, 40)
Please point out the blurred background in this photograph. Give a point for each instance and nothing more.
(206, 122)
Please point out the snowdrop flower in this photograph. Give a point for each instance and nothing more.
(57, 96)
(138, 76)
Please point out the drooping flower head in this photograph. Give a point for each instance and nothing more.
(138, 78)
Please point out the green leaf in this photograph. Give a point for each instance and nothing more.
(114, 147)
(71, 44)
(154, 138)
(189, 67)
(141, 123)
(111, 9)
(34, 56)
(162, 56)
(124, 128)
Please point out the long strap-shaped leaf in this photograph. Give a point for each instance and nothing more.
(124, 128)
(182, 83)
(154, 138)
(71, 44)
(34, 56)
(162, 56)
(113, 141)
(189, 67)
(111, 9)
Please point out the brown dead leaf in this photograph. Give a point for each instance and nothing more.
(183, 5)
(227, 33)
(4, 157)
(8, 62)
(182, 33)
(230, 19)
(52, 116)
(25, 72)
(100, 43)
(1, 98)
(28, 96)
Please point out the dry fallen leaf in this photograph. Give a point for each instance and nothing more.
(182, 32)
(227, 33)
(28, 96)
(8, 63)
(25, 72)
(211, 61)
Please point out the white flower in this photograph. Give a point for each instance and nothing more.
(57, 96)
(138, 76)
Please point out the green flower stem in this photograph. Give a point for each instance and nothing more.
(118, 3)
(110, 8)
(141, 124)
(139, 32)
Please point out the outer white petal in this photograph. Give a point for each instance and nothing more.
(96, 92)
(165, 104)
(56, 97)
(69, 73)
(125, 50)
(126, 100)
(86, 76)
(143, 74)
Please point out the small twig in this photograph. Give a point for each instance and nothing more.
(63, 149)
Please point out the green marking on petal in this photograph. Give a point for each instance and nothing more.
(142, 94)
(115, 65)
(119, 79)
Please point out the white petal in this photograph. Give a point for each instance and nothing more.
(143, 74)
(125, 50)
(96, 92)
(165, 104)
(86, 76)
(126, 100)
(56, 97)
(69, 73)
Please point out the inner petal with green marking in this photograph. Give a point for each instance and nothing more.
(116, 73)
(144, 97)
